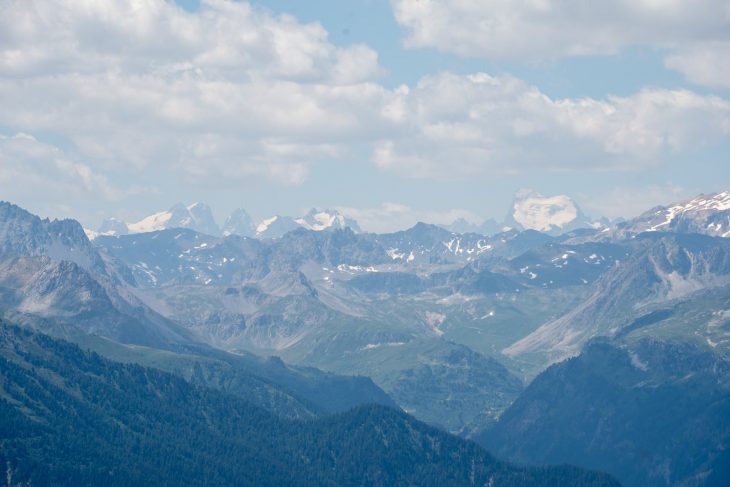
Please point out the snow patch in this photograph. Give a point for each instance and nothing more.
(637, 363)
(718, 202)
(261, 228)
(434, 320)
(352, 269)
(394, 254)
(371, 346)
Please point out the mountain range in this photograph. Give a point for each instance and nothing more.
(530, 211)
(544, 346)
(199, 217)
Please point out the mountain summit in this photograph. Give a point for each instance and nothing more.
(316, 220)
(239, 223)
(706, 214)
(322, 220)
(461, 225)
(550, 214)
(197, 216)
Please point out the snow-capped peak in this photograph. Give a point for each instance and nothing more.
(717, 202)
(276, 226)
(197, 216)
(706, 214)
(534, 211)
(322, 220)
(316, 220)
(152, 223)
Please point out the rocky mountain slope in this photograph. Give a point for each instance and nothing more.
(53, 279)
(658, 269)
(704, 214)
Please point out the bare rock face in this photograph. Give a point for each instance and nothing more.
(24, 234)
(657, 269)
(239, 223)
(55, 279)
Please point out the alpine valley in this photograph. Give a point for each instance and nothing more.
(305, 351)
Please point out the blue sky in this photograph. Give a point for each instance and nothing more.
(392, 111)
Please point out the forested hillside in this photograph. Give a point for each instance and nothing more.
(70, 417)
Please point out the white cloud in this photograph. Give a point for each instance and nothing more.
(229, 91)
(703, 63)
(211, 159)
(34, 170)
(391, 217)
(225, 40)
(482, 126)
(233, 93)
(696, 32)
(629, 202)
(546, 29)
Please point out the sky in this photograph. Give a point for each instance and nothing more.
(390, 111)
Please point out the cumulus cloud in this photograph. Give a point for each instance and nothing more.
(703, 63)
(225, 39)
(232, 93)
(231, 88)
(391, 217)
(536, 30)
(35, 170)
(479, 125)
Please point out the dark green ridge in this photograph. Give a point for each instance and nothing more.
(71, 417)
